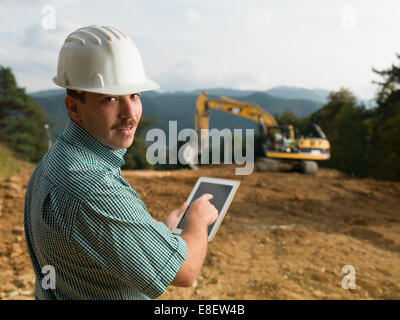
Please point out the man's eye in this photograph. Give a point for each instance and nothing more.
(111, 99)
(135, 96)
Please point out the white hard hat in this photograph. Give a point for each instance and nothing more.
(101, 59)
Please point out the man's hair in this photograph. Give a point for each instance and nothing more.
(76, 94)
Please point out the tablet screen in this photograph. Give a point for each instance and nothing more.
(220, 193)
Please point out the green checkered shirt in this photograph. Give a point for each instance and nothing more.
(82, 218)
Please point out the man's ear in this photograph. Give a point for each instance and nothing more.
(73, 108)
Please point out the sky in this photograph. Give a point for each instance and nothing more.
(239, 44)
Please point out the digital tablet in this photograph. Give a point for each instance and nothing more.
(223, 191)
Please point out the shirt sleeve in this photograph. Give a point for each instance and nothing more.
(114, 228)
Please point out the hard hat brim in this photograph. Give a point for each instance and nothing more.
(119, 90)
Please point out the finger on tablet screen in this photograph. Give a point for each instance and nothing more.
(207, 196)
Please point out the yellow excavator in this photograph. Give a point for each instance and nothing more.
(283, 145)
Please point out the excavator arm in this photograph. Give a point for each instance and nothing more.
(251, 111)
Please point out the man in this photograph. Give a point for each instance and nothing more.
(82, 219)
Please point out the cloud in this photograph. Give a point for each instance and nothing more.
(189, 72)
(35, 36)
(248, 19)
(33, 54)
(196, 17)
(256, 20)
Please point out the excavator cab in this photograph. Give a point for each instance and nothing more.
(281, 139)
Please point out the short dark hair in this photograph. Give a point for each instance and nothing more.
(76, 94)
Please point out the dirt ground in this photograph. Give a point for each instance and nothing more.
(285, 236)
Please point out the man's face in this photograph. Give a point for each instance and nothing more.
(110, 119)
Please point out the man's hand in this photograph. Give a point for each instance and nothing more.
(170, 221)
(200, 214)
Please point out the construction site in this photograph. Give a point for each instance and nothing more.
(285, 235)
(303, 206)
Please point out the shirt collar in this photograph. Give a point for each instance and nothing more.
(75, 134)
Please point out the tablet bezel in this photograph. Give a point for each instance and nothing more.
(234, 183)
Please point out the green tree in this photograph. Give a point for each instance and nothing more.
(346, 126)
(385, 142)
(22, 120)
(289, 118)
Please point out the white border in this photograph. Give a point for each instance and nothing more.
(234, 183)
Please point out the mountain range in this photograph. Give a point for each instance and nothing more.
(180, 106)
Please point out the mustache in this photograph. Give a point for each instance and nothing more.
(125, 124)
